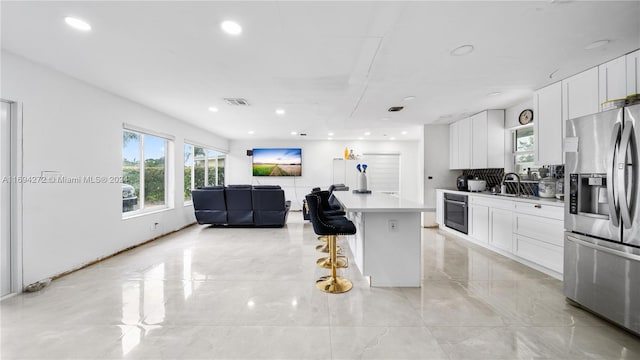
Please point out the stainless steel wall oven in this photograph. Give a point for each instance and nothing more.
(456, 215)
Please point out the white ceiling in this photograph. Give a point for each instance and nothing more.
(333, 66)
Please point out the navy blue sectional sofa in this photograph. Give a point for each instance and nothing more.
(241, 205)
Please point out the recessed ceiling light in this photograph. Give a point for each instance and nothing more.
(330, 134)
(597, 44)
(251, 132)
(392, 138)
(462, 50)
(280, 111)
(231, 27)
(360, 138)
(409, 98)
(367, 133)
(213, 109)
(496, 93)
(77, 23)
(294, 133)
(405, 132)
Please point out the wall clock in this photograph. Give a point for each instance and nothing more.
(526, 117)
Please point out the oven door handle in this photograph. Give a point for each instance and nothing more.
(462, 203)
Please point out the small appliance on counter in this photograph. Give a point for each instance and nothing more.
(547, 187)
(560, 189)
(476, 185)
(463, 182)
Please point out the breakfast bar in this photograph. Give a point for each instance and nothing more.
(387, 245)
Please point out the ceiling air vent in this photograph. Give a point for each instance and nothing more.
(236, 101)
(396, 108)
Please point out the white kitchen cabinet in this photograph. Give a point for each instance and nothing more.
(440, 207)
(479, 140)
(539, 234)
(454, 148)
(501, 229)
(460, 144)
(580, 94)
(613, 80)
(479, 223)
(548, 125)
(464, 144)
(633, 73)
(487, 139)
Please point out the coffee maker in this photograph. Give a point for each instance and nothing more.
(462, 182)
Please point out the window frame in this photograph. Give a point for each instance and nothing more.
(514, 146)
(193, 145)
(168, 185)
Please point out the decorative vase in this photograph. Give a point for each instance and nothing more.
(362, 182)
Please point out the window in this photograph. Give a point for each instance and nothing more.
(523, 147)
(202, 167)
(144, 164)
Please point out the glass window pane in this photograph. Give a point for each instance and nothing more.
(212, 161)
(221, 159)
(199, 164)
(524, 139)
(188, 164)
(154, 171)
(130, 171)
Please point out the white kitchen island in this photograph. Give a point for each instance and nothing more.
(387, 244)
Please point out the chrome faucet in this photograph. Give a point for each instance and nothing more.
(517, 178)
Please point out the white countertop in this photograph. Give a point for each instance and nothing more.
(531, 199)
(377, 202)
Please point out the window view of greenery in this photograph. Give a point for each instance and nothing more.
(188, 163)
(144, 171)
(154, 170)
(523, 149)
(202, 167)
(130, 171)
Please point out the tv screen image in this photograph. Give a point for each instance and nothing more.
(277, 162)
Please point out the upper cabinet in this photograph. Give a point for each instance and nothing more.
(454, 147)
(548, 124)
(464, 144)
(633, 73)
(613, 80)
(580, 94)
(477, 142)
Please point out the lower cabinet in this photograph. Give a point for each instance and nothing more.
(440, 207)
(501, 229)
(540, 239)
(479, 223)
(530, 231)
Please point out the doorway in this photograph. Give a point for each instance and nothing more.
(6, 246)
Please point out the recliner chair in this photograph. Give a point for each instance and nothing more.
(269, 205)
(239, 205)
(210, 206)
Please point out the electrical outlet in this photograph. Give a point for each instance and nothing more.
(393, 225)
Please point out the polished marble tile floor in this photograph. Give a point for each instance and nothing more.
(215, 293)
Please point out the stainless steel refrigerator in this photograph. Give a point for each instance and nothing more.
(602, 223)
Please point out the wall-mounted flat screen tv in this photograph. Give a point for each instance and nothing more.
(277, 162)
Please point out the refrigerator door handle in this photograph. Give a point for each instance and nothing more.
(623, 154)
(614, 209)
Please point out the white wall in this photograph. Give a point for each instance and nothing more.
(436, 163)
(317, 164)
(76, 129)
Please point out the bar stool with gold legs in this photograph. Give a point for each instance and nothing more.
(331, 212)
(332, 228)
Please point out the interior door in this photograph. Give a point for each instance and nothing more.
(5, 197)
